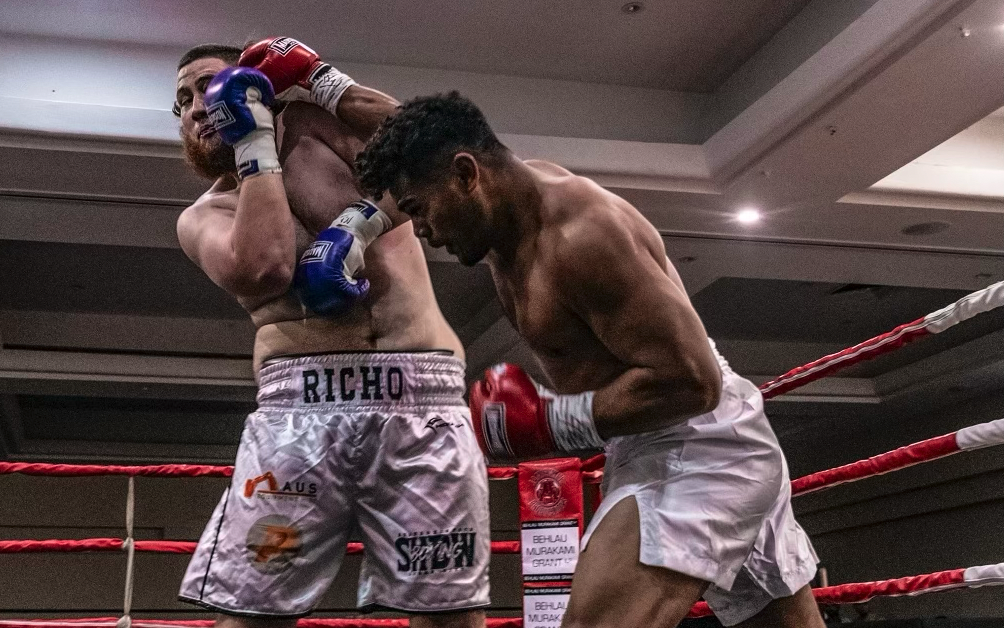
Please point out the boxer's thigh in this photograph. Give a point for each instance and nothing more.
(611, 586)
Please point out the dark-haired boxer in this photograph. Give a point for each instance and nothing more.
(697, 498)
(361, 420)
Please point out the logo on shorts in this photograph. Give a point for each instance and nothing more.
(547, 495)
(219, 116)
(437, 422)
(435, 551)
(369, 383)
(272, 544)
(272, 489)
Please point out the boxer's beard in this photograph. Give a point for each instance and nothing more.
(211, 159)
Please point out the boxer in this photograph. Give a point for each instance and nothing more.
(361, 420)
(697, 497)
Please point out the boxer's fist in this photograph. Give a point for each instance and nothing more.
(325, 277)
(322, 281)
(285, 61)
(237, 101)
(297, 73)
(510, 416)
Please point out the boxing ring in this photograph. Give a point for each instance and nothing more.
(552, 503)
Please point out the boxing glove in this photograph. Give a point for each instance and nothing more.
(295, 70)
(237, 101)
(325, 276)
(514, 417)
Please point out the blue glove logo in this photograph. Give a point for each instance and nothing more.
(316, 252)
(219, 115)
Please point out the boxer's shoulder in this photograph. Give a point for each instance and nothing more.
(300, 119)
(213, 211)
(221, 199)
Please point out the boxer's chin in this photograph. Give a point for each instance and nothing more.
(470, 257)
(210, 157)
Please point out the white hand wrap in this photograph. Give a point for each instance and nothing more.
(327, 89)
(570, 418)
(366, 222)
(255, 153)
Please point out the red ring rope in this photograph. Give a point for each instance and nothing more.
(965, 308)
(986, 575)
(170, 547)
(310, 622)
(966, 439)
(159, 470)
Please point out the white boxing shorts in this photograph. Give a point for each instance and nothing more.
(714, 501)
(381, 442)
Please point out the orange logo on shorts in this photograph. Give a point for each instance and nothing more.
(249, 485)
(278, 539)
(272, 544)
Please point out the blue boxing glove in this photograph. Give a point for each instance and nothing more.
(237, 101)
(325, 278)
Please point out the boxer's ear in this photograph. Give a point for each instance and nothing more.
(466, 172)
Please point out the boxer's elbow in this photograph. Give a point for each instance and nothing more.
(262, 277)
(707, 387)
(274, 279)
(692, 387)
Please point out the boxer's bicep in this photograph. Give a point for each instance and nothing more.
(647, 323)
(642, 317)
(205, 234)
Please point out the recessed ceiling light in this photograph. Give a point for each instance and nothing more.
(748, 216)
(632, 7)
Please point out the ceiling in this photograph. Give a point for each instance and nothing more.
(684, 45)
(869, 134)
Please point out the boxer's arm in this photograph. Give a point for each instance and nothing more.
(293, 67)
(316, 152)
(364, 109)
(250, 252)
(621, 290)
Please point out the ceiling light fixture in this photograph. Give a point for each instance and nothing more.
(632, 7)
(748, 216)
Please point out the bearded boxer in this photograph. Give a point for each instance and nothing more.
(361, 419)
(697, 498)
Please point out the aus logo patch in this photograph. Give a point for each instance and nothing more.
(316, 252)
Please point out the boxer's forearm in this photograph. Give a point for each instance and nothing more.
(644, 400)
(263, 238)
(364, 110)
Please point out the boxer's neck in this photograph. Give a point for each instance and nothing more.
(517, 212)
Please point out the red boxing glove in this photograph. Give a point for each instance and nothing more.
(286, 62)
(509, 416)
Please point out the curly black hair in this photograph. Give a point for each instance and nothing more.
(421, 137)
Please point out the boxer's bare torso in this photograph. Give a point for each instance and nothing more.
(400, 312)
(542, 290)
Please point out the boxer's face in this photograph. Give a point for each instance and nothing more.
(204, 150)
(447, 215)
